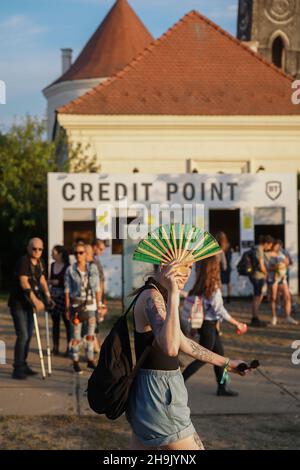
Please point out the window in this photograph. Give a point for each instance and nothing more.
(278, 52)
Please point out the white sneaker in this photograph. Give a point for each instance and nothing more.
(292, 321)
(274, 321)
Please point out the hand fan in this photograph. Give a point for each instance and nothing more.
(182, 242)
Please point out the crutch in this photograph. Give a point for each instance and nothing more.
(48, 343)
(38, 338)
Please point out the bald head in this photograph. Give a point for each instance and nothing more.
(35, 248)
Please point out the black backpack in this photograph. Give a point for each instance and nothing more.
(246, 265)
(110, 383)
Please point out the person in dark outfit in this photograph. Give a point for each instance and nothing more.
(207, 287)
(225, 262)
(28, 288)
(56, 283)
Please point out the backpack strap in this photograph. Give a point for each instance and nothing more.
(138, 364)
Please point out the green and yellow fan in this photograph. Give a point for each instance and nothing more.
(182, 242)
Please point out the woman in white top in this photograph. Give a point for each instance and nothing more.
(208, 287)
(277, 265)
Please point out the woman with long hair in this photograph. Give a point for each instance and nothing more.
(208, 288)
(56, 283)
(158, 411)
(277, 265)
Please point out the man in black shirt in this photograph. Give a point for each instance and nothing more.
(28, 289)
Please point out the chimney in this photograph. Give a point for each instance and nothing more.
(66, 59)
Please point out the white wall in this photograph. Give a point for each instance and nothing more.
(250, 192)
(62, 93)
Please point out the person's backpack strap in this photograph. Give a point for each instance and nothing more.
(136, 365)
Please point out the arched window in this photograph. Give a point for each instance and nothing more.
(278, 52)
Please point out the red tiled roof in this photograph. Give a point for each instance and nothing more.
(118, 39)
(195, 68)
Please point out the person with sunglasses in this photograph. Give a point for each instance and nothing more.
(29, 291)
(82, 293)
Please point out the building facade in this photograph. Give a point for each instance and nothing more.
(272, 28)
(196, 103)
(246, 206)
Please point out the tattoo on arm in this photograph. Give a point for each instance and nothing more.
(156, 312)
(201, 353)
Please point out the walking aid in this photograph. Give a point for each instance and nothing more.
(48, 343)
(38, 338)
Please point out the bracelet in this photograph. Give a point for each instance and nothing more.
(225, 376)
(27, 293)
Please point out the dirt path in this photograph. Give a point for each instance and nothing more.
(54, 414)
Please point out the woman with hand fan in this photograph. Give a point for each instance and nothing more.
(158, 409)
(208, 288)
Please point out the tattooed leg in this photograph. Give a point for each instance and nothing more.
(192, 442)
(198, 441)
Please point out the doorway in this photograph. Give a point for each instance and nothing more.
(82, 230)
(228, 221)
(276, 231)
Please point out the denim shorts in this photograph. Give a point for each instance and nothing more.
(158, 411)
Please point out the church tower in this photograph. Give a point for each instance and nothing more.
(272, 28)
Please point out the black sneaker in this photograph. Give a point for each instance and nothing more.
(224, 391)
(257, 323)
(55, 351)
(19, 375)
(91, 365)
(76, 367)
(29, 371)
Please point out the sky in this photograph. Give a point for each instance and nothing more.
(32, 32)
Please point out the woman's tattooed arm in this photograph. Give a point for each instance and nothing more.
(164, 321)
(156, 311)
(196, 351)
(200, 353)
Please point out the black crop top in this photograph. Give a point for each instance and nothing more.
(59, 276)
(156, 359)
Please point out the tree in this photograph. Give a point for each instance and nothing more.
(26, 157)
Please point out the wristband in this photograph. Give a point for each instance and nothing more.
(27, 291)
(225, 376)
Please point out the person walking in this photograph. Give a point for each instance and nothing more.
(99, 249)
(225, 262)
(82, 297)
(258, 276)
(91, 258)
(277, 263)
(56, 283)
(157, 409)
(207, 287)
(29, 291)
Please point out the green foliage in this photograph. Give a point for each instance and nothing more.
(26, 157)
(74, 158)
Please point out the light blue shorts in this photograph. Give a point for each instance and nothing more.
(158, 411)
